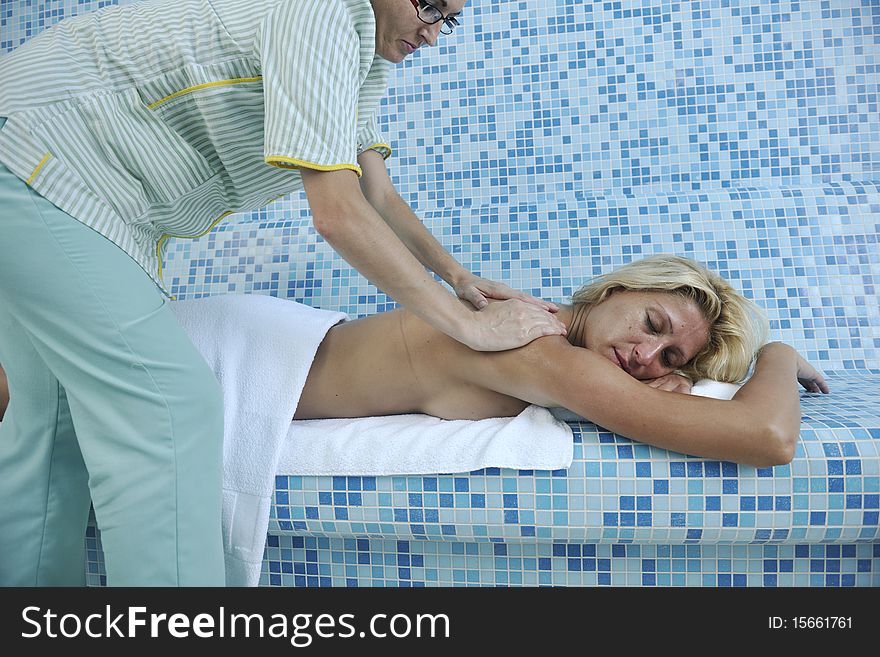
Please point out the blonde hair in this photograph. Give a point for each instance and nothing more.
(737, 326)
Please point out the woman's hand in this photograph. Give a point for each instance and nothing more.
(807, 375)
(671, 382)
(477, 291)
(810, 378)
(507, 325)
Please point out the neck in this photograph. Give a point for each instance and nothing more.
(575, 319)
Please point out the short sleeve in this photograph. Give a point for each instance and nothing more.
(309, 53)
(369, 138)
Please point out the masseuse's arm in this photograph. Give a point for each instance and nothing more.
(381, 194)
(760, 426)
(351, 225)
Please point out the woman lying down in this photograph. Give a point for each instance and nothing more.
(634, 334)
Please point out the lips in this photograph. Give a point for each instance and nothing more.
(410, 48)
(620, 361)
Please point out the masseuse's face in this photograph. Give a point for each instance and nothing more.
(399, 32)
(647, 334)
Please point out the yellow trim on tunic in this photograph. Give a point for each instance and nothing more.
(199, 87)
(386, 147)
(38, 167)
(293, 163)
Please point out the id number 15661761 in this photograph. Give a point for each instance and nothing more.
(810, 623)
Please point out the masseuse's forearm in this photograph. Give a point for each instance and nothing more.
(380, 192)
(351, 225)
(356, 231)
(412, 232)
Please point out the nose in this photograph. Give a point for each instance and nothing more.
(646, 352)
(430, 33)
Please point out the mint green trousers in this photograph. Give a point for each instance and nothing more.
(109, 402)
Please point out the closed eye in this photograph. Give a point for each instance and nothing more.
(649, 324)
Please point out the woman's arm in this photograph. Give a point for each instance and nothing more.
(759, 426)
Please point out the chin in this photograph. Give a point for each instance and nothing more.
(395, 56)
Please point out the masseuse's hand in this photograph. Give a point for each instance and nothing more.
(671, 382)
(508, 324)
(477, 291)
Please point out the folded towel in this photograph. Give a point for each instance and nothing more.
(421, 444)
(261, 349)
(715, 389)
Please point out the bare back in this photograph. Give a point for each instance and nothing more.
(393, 363)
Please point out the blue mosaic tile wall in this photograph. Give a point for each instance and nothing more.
(537, 97)
(548, 141)
(313, 561)
(808, 256)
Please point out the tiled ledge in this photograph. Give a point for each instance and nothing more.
(618, 490)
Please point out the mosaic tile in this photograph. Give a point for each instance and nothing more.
(353, 562)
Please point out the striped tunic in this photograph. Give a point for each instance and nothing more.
(159, 118)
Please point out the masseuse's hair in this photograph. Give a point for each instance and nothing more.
(737, 327)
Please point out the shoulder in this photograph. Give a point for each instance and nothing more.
(547, 352)
(349, 18)
(360, 13)
(343, 30)
(532, 372)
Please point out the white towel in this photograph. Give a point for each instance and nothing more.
(715, 389)
(261, 349)
(421, 444)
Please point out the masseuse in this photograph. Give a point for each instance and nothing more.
(131, 125)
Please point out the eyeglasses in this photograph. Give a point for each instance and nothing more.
(429, 14)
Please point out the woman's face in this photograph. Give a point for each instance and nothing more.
(647, 334)
(400, 32)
